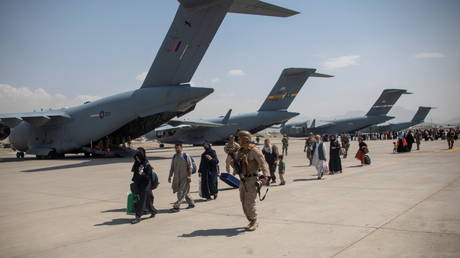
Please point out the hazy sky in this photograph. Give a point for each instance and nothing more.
(61, 53)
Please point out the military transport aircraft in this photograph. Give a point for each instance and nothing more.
(418, 118)
(164, 94)
(273, 111)
(376, 115)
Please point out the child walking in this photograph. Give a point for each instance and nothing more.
(281, 169)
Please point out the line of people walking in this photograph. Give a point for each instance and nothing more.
(255, 165)
(247, 158)
(145, 180)
(316, 153)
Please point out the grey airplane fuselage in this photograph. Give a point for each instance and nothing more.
(132, 113)
(253, 122)
(392, 127)
(348, 125)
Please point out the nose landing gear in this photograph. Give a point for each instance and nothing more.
(20, 155)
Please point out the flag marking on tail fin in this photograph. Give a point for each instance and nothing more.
(176, 46)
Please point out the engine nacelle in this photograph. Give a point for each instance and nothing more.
(4, 132)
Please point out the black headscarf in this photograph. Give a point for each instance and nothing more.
(139, 156)
(208, 165)
(140, 159)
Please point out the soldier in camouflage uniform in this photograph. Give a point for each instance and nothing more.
(285, 142)
(231, 147)
(307, 149)
(345, 144)
(250, 160)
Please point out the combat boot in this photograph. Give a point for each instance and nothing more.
(253, 225)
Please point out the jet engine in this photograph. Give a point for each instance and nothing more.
(4, 132)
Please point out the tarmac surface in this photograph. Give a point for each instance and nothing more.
(403, 205)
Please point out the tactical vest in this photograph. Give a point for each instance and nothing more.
(248, 166)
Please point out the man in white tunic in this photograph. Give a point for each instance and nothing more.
(319, 156)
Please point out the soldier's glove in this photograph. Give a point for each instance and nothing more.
(264, 180)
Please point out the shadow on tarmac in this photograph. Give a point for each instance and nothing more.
(15, 159)
(114, 222)
(121, 221)
(115, 210)
(221, 189)
(161, 211)
(228, 232)
(305, 179)
(92, 162)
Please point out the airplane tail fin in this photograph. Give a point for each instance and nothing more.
(313, 123)
(191, 32)
(386, 101)
(421, 114)
(286, 88)
(227, 117)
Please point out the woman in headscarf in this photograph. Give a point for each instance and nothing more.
(361, 151)
(142, 185)
(402, 143)
(208, 172)
(335, 164)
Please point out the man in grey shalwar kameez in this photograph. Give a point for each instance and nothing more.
(181, 174)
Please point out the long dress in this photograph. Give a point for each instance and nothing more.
(208, 172)
(335, 164)
(142, 186)
(410, 140)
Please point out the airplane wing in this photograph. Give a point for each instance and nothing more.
(193, 123)
(36, 119)
(191, 33)
(167, 127)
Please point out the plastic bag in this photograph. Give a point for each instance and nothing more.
(325, 167)
(130, 203)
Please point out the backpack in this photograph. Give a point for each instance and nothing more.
(184, 156)
(367, 160)
(155, 181)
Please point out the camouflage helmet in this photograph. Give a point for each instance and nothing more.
(245, 135)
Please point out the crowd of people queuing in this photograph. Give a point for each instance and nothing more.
(426, 134)
(259, 166)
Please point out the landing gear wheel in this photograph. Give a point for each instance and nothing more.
(162, 145)
(20, 155)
